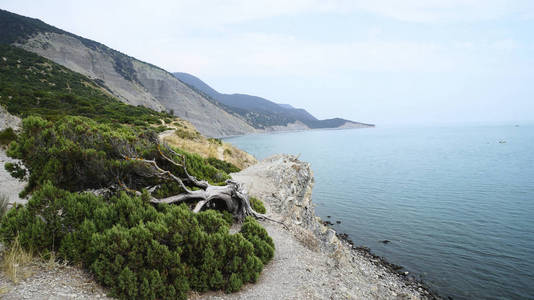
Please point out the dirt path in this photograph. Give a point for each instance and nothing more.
(52, 282)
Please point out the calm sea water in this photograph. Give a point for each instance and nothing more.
(457, 205)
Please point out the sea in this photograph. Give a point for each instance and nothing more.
(455, 202)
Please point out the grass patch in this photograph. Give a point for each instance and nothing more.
(14, 262)
(7, 135)
(257, 205)
(222, 165)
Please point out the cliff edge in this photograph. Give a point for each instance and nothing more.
(310, 262)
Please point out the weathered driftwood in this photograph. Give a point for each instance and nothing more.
(231, 197)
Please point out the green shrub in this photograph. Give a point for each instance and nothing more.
(137, 250)
(74, 153)
(203, 169)
(257, 205)
(223, 165)
(228, 217)
(77, 153)
(258, 236)
(7, 136)
(75, 136)
(15, 169)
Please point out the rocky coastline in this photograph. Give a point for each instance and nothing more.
(312, 261)
(285, 184)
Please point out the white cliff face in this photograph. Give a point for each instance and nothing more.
(136, 82)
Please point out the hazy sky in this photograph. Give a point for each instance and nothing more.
(380, 61)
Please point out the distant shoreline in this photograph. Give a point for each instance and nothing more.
(295, 130)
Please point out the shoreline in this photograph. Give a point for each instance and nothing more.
(367, 126)
(393, 268)
(285, 185)
(311, 261)
(384, 263)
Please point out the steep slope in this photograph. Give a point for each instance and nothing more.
(132, 81)
(262, 113)
(33, 85)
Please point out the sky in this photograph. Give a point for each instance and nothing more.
(386, 62)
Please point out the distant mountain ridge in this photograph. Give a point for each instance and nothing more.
(262, 113)
(139, 83)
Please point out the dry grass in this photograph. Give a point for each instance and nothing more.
(4, 290)
(16, 261)
(4, 202)
(307, 239)
(236, 156)
(187, 138)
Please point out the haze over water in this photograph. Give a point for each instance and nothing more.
(456, 204)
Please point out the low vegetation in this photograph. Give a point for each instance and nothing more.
(76, 137)
(186, 137)
(257, 205)
(138, 250)
(77, 153)
(7, 136)
(15, 262)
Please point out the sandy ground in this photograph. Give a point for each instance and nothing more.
(52, 282)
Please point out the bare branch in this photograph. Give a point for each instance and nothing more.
(198, 183)
(159, 172)
(232, 195)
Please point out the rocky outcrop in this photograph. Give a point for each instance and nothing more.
(135, 82)
(325, 267)
(285, 184)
